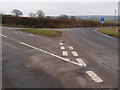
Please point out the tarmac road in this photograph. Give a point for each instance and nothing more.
(81, 58)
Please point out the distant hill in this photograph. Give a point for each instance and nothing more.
(96, 17)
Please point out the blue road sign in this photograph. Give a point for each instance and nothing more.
(102, 19)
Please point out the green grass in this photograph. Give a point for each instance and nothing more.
(49, 33)
(108, 21)
(110, 31)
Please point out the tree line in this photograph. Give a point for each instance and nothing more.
(39, 14)
(39, 20)
(17, 13)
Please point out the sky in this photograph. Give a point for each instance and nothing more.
(59, 0)
(58, 7)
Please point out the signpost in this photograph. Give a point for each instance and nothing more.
(102, 20)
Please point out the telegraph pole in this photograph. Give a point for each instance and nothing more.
(115, 17)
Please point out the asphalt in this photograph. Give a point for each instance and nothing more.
(26, 67)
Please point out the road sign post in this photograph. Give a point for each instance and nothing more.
(102, 21)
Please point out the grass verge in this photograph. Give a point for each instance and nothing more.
(110, 31)
(108, 21)
(49, 33)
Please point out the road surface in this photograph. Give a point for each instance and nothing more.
(81, 58)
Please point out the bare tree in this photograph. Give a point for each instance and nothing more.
(17, 12)
(32, 14)
(40, 14)
(63, 16)
(48, 17)
(73, 17)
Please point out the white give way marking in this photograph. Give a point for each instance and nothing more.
(3, 35)
(94, 76)
(64, 59)
(90, 73)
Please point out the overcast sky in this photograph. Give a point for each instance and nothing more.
(57, 7)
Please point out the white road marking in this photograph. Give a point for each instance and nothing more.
(61, 43)
(21, 32)
(31, 34)
(3, 35)
(62, 48)
(65, 53)
(67, 59)
(70, 47)
(64, 59)
(74, 53)
(94, 76)
(16, 32)
(81, 62)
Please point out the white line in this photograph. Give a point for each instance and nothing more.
(70, 47)
(94, 76)
(81, 62)
(3, 35)
(21, 32)
(16, 32)
(62, 48)
(65, 53)
(74, 53)
(67, 59)
(61, 43)
(31, 34)
(64, 59)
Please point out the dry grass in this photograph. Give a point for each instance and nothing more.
(110, 31)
